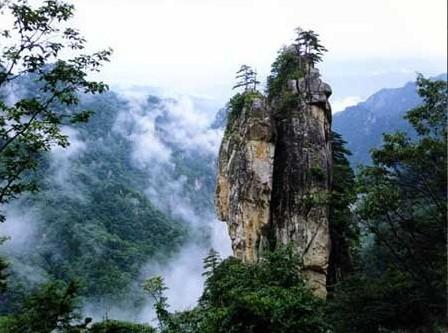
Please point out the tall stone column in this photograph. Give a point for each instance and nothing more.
(302, 177)
(274, 177)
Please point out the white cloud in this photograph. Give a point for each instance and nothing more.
(195, 46)
(183, 275)
(188, 126)
(177, 121)
(76, 146)
(155, 130)
(62, 159)
(138, 125)
(341, 104)
(20, 227)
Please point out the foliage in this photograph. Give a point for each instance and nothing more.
(344, 232)
(236, 106)
(32, 46)
(211, 262)
(287, 66)
(247, 78)
(51, 307)
(292, 63)
(308, 46)
(155, 287)
(3, 274)
(3, 268)
(430, 118)
(114, 326)
(401, 281)
(269, 296)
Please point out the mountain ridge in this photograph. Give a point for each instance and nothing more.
(362, 125)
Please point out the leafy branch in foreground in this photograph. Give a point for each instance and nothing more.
(31, 123)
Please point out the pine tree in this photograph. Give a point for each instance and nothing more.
(344, 231)
(212, 261)
(308, 46)
(246, 78)
(400, 281)
(155, 287)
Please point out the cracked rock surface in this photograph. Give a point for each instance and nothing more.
(274, 177)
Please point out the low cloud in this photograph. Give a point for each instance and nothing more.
(19, 227)
(157, 132)
(21, 230)
(183, 275)
(63, 158)
(341, 104)
(139, 126)
(161, 132)
(188, 127)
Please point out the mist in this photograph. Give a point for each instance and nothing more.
(160, 129)
(166, 134)
(176, 126)
(20, 233)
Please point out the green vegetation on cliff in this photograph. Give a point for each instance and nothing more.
(236, 105)
(293, 62)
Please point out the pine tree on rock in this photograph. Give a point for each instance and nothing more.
(246, 78)
(308, 46)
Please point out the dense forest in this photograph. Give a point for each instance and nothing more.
(96, 214)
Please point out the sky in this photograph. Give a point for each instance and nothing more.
(195, 46)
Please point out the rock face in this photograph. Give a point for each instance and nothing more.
(274, 177)
(244, 183)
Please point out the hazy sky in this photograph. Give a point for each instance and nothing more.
(195, 46)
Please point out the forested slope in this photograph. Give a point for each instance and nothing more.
(107, 206)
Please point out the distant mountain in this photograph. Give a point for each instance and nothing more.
(363, 125)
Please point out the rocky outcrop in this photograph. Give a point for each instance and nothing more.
(244, 181)
(274, 176)
(301, 181)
